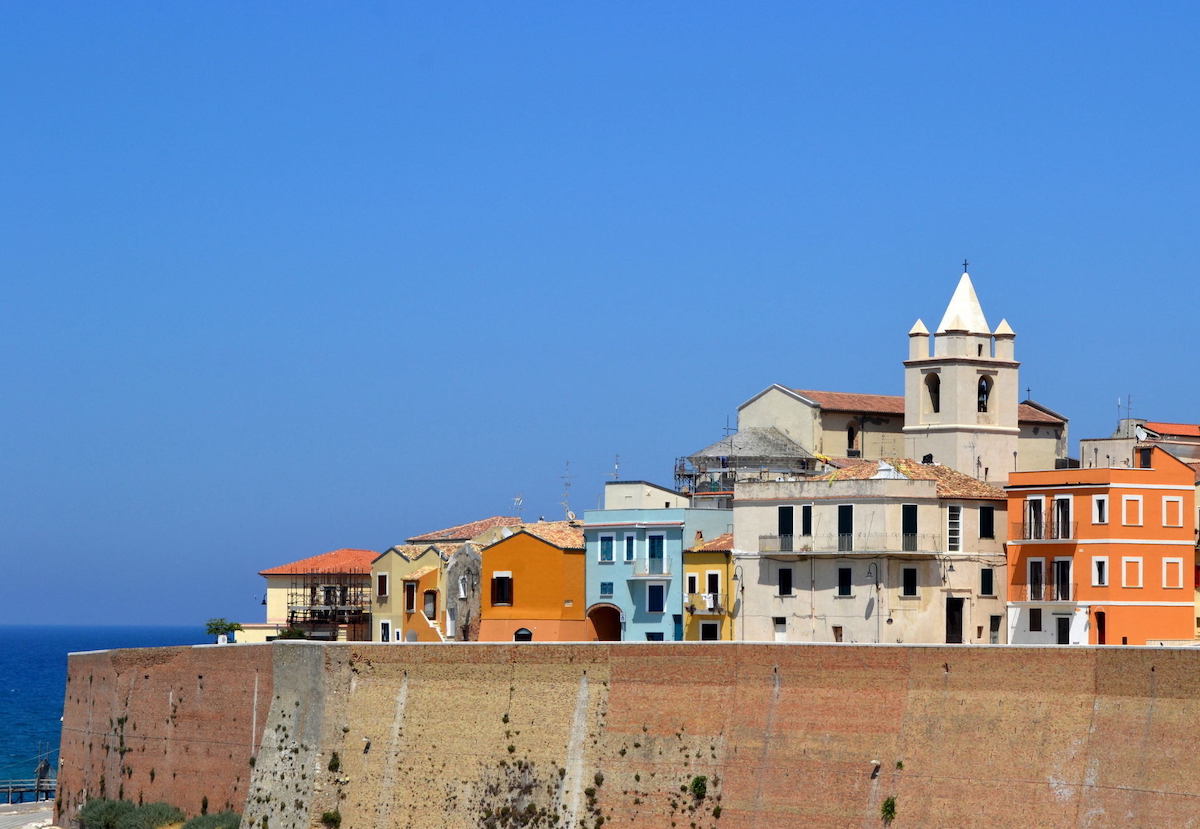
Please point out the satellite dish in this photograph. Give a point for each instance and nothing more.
(1139, 432)
(570, 515)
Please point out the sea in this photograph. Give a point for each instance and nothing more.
(33, 680)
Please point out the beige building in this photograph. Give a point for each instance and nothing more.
(881, 551)
(959, 406)
(326, 596)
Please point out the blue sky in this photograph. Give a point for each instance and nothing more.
(286, 277)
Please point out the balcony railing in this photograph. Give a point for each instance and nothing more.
(706, 603)
(1051, 591)
(1044, 529)
(895, 542)
(650, 568)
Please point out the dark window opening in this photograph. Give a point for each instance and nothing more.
(845, 527)
(987, 522)
(655, 598)
(502, 590)
(910, 582)
(1035, 620)
(985, 392)
(837, 633)
(806, 519)
(908, 527)
(784, 526)
(410, 597)
(844, 581)
(933, 386)
(431, 605)
(987, 582)
(785, 581)
(523, 635)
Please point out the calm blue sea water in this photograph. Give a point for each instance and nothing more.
(33, 678)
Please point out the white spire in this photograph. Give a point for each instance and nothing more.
(964, 312)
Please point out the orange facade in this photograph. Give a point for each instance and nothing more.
(533, 589)
(1103, 556)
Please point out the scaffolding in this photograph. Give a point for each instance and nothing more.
(331, 605)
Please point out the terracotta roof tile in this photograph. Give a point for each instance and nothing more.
(465, 532)
(1191, 430)
(336, 561)
(893, 404)
(566, 535)
(950, 482)
(721, 544)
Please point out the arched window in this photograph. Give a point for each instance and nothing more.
(933, 385)
(985, 392)
(851, 439)
(523, 635)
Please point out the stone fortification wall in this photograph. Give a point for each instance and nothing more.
(558, 735)
(163, 724)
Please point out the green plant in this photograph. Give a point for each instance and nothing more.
(699, 786)
(291, 633)
(221, 627)
(149, 816)
(716, 813)
(220, 820)
(887, 811)
(331, 819)
(100, 813)
(335, 762)
(899, 765)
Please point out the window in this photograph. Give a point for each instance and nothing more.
(954, 528)
(1144, 456)
(606, 588)
(381, 585)
(852, 441)
(1172, 573)
(1033, 517)
(655, 598)
(462, 587)
(655, 562)
(837, 633)
(1099, 509)
(993, 630)
(1062, 517)
(987, 581)
(1172, 511)
(692, 581)
(806, 519)
(784, 527)
(1037, 579)
(1062, 580)
(431, 605)
(523, 635)
(1131, 510)
(933, 388)
(845, 527)
(785, 581)
(710, 631)
(654, 636)
(908, 586)
(1100, 571)
(1035, 619)
(844, 584)
(1131, 571)
(606, 549)
(985, 391)
(908, 527)
(502, 589)
(385, 631)
(987, 522)
(629, 547)
(410, 597)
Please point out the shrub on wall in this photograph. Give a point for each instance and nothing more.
(99, 813)
(221, 820)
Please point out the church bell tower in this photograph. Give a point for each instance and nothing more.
(960, 390)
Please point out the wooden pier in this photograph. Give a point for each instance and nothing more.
(15, 791)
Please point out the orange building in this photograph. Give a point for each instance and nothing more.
(533, 585)
(1102, 556)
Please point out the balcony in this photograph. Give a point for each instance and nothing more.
(650, 568)
(706, 604)
(867, 543)
(1036, 529)
(1053, 591)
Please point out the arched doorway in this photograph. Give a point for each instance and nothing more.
(605, 621)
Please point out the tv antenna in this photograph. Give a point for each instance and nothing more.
(616, 473)
(567, 477)
(518, 504)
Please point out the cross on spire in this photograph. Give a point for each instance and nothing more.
(964, 266)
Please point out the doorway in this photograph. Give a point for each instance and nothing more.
(954, 620)
(1062, 627)
(606, 623)
(1101, 635)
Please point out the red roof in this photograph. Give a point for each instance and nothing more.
(721, 544)
(893, 404)
(465, 532)
(338, 561)
(1191, 430)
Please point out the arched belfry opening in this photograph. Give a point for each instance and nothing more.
(985, 393)
(933, 392)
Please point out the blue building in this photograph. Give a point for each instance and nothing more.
(635, 559)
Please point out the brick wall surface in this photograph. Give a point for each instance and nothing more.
(616, 734)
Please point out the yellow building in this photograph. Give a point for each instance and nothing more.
(325, 597)
(707, 591)
(409, 582)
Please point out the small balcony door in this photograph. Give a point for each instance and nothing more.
(954, 620)
(655, 556)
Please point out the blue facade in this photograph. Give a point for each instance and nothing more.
(635, 564)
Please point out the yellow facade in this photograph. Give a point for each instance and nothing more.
(708, 590)
(408, 594)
